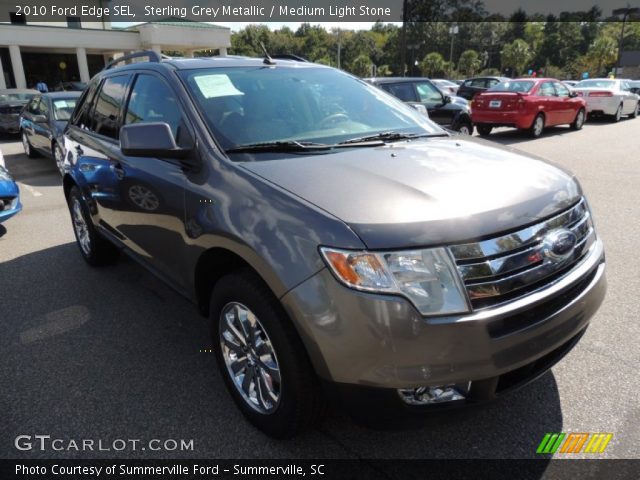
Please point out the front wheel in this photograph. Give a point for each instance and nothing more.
(261, 358)
(26, 145)
(484, 130)
(96, 250)
(58, 156)
(636, 111)
(465, 128)
(579, 120)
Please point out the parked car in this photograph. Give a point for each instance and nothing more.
(570, 83)
(635, 86)
(528, 104)
(446, 86)
(473, 86)
(12, 101)
(442, 109)
(70, 87)
(42, 123)
(341, 244)
(609, 96)
(9, 194)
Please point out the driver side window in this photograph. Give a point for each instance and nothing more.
(429, 93)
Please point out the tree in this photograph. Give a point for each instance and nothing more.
(361, 66)
(516, 56)
(469, 63)
(603, 52)
(432, 64)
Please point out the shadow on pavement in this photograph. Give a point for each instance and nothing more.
(113, 353)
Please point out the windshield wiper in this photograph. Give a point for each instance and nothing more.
(388, 136)
(286, 146)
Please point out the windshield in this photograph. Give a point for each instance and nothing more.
(249, 105)
(16, 97)
(63, 108)
(596, 84)
(523, 86)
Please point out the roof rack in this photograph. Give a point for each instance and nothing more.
(152, 55)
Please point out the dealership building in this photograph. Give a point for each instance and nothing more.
(75, 50)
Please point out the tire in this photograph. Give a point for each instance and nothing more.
(293, 404)
(26, 145)
(618, 115)
(636, 111)
(58, 156)
(537, 127)
(465, 128)
(96, 250)
(484, 130)
(578, 122)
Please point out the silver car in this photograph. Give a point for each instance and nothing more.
(608, 96)
(342, 245)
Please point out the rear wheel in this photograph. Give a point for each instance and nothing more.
(26, 145)
(96, 250)
(261, 358)
(618, 115)
(537, 127)
(484, 130)
(579, 120)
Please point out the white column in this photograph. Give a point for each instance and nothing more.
(157, 49)
(189, 53)
(83, 66)
(18, 68)
(223, 51)
(3, 84)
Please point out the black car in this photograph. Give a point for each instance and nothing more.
(472, 86)
(441, 108)
(42, 122)
(12, 101)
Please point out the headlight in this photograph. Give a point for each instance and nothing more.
(428, 278)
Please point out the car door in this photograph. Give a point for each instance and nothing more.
(43, 131)
(548, 102)
(151, 217)
(28, 125)
(433, 99)
(567, 106)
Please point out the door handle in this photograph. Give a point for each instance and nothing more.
(118, 170)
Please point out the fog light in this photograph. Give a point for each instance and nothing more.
(431, 395)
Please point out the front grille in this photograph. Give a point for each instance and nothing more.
(504, 268)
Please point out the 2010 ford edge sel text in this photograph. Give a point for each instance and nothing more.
(342, 245)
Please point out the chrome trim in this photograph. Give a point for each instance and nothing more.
(500, 266)
(519, 239)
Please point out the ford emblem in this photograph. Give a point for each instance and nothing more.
(558, 245)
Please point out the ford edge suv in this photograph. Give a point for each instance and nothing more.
(342, 245)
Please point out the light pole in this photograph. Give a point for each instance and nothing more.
(625, 12)
(453, 31)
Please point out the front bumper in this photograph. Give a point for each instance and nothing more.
(7, 214)
(357, 339)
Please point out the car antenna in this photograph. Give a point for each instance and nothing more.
(267, 58)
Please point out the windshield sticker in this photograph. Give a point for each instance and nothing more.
(212, 86)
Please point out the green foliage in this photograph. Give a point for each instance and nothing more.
(516, 56)
(433, 65)
(469, 63)
(361, 66)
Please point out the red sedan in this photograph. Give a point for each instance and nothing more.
(528, 104)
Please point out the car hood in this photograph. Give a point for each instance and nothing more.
(426, 192)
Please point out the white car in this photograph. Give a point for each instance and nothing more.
(609, 96)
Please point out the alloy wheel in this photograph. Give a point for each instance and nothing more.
(143, 198)
(25, 144)
(81, 228)
(580, 119)
(250, 358)
(464, 130)
(59, 158)
(618, 113)
(538, 126)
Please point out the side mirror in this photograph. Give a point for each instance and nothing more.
(572, 94)
(40, 118)
(153, 139)
(447, 99)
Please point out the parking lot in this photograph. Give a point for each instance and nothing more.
(115, 354)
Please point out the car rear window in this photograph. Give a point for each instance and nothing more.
(523, 86)
(596, 84)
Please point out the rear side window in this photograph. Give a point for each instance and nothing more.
(152, 100)
(82, 115)
(109, 104)
(403, 91)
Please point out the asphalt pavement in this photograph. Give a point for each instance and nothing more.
(115, 354)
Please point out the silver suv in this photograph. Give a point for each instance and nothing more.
(343, 246)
